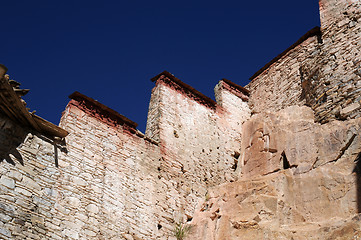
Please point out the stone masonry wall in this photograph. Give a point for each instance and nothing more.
(280, 85)
(109, 181)
(28, 191)
(110, 178)
(322, 72)
(335, 82)
(104, 187)
(199, 143)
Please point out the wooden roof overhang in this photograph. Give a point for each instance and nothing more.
(13, 107)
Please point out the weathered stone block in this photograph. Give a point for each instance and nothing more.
(23, 191)
(7, 182)
(30, 183)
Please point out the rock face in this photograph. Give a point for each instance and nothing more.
(300, 151)
(300, 181)
(291, 139)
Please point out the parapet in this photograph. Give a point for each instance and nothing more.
(235, 89)
(173, 82)
(101, 111)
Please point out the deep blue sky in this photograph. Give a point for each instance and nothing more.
(109, 50)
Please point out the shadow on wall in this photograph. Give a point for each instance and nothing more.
(9, 151)
(357, 170)
(59, 144)
(15, 153)
(11, 137)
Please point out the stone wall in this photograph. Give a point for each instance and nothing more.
(104, 187)
(276, 174)
(198, 138)
(110, 177)
(321, 71)
(336, 79)
(28, 191)
(280, 84)
(109, 181)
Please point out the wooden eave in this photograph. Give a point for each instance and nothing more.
(12, 106)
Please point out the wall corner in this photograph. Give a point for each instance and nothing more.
(152, 130)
